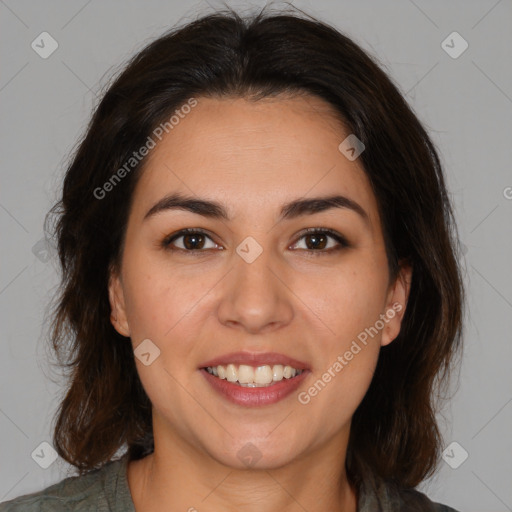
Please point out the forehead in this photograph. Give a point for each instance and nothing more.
(243, 152)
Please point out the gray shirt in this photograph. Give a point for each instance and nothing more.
(106, 490)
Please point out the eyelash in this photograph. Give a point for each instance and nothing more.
(342, 241)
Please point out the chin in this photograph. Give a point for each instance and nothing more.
(253, 453)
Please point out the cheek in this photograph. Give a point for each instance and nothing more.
(346, 300)
(158, 298)
(342, 387)
(146, 302)
(160, 307)
(347, 304)
(339, 385)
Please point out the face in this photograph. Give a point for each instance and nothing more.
(255, 281)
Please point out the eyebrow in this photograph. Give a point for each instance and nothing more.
(291, 210)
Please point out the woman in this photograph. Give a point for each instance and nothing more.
(260, 289)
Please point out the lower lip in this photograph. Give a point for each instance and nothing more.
(252, 397)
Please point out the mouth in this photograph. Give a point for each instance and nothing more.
(251, 379)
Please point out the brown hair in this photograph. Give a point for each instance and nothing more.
(394, 430)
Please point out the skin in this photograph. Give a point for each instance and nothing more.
(252, 157)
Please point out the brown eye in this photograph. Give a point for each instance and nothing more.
(193, 240)
(317, 241)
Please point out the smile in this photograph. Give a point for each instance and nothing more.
(253, 394)
(249, 376)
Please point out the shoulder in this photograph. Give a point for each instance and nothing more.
(412, 500)
(386, 496)
(97, 490)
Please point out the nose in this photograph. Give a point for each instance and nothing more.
(256, 296)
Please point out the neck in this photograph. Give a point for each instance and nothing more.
(177, 477)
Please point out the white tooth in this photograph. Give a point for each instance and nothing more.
(245, 374)
(231, 374)
(221, 372)
(277, 372)
(250, 376)
(254, 385)
(263, 375)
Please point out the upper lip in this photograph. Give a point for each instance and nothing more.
(256, 359)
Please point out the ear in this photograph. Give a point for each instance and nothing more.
(117, 303)
(396, 303)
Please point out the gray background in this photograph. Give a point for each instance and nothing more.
(465, 103)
